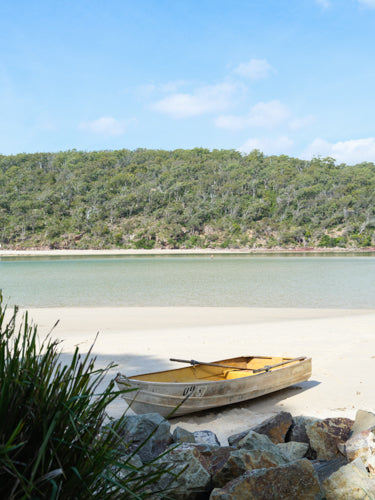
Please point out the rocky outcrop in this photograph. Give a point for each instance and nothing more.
(193, 465)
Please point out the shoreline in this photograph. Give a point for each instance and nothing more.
(180, 251)
(141, 340)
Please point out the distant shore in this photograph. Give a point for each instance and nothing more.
(179, 251)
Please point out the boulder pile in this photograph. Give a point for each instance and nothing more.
(285, 458)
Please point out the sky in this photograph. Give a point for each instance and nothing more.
(293, 77)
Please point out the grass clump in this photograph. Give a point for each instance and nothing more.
(52, 443)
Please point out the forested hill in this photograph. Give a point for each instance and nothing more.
(183, 199)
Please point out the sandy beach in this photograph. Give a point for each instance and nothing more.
(142, 339)
(175, 251)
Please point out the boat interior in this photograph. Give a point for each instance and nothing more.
(229, 369)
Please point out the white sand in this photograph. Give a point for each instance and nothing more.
(174, 251)
(340, 342)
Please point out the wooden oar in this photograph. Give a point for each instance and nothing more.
(265, 368)
(193, 362)
(268, 367)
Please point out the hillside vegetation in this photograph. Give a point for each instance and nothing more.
(183, 199)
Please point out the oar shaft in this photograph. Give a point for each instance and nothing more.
(266, 368)
(193, 362)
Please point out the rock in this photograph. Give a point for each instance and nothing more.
(188, 478)
(275, 427)
(370, 465)
(181, 435)
(350, 482)
(325, 435)
(240, 461)
(324, 468)
(361, 445)
(234, 439)
(364, 421)
(206, 437)
(137, 430)
(293, 481)
(214, 458)
(255, 441)
(297, 431)
(127, 466)
(293, 450)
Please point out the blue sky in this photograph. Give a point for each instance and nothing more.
(290, 77)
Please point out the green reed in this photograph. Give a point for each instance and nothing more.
(53, 444)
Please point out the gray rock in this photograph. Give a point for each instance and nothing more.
(350, 482)
(255, 441)
(294, 481)
(188, 478)
(297, 431)
(275, 427)
(181, 435)
(364, 421)
(325, 435)
(360, 445)
(293, 451)
(324, 468)
(149, 432)
(239, 461)
(234, 439)
(206, 437)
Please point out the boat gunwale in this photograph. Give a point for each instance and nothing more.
(200, 381)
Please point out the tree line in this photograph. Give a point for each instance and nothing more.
(194, 198)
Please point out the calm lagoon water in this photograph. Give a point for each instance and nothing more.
(329, 281)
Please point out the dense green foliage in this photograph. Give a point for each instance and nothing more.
(183, 199)
(52, 441)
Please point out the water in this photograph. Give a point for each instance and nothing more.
(245, 280)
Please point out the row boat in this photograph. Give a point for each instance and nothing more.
(203, 386)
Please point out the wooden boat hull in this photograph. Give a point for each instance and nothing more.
(219, 388)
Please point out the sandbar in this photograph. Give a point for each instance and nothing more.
(340, 342)
(177, 251)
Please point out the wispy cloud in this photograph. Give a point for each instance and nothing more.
(255, 69)
(278, 145)
(324, 3)
(106, 125)
(263, 114)
(351, 151)
(367, 3)
(207, 99)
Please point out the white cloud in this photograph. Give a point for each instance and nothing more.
(255, 69)
(279, 145)
(324, 3)
(263, 114)
(105, 125)
(351, 152)
(145, 91)
(208, 99)
(367, 3)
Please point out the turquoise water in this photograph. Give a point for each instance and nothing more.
(251, 280)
